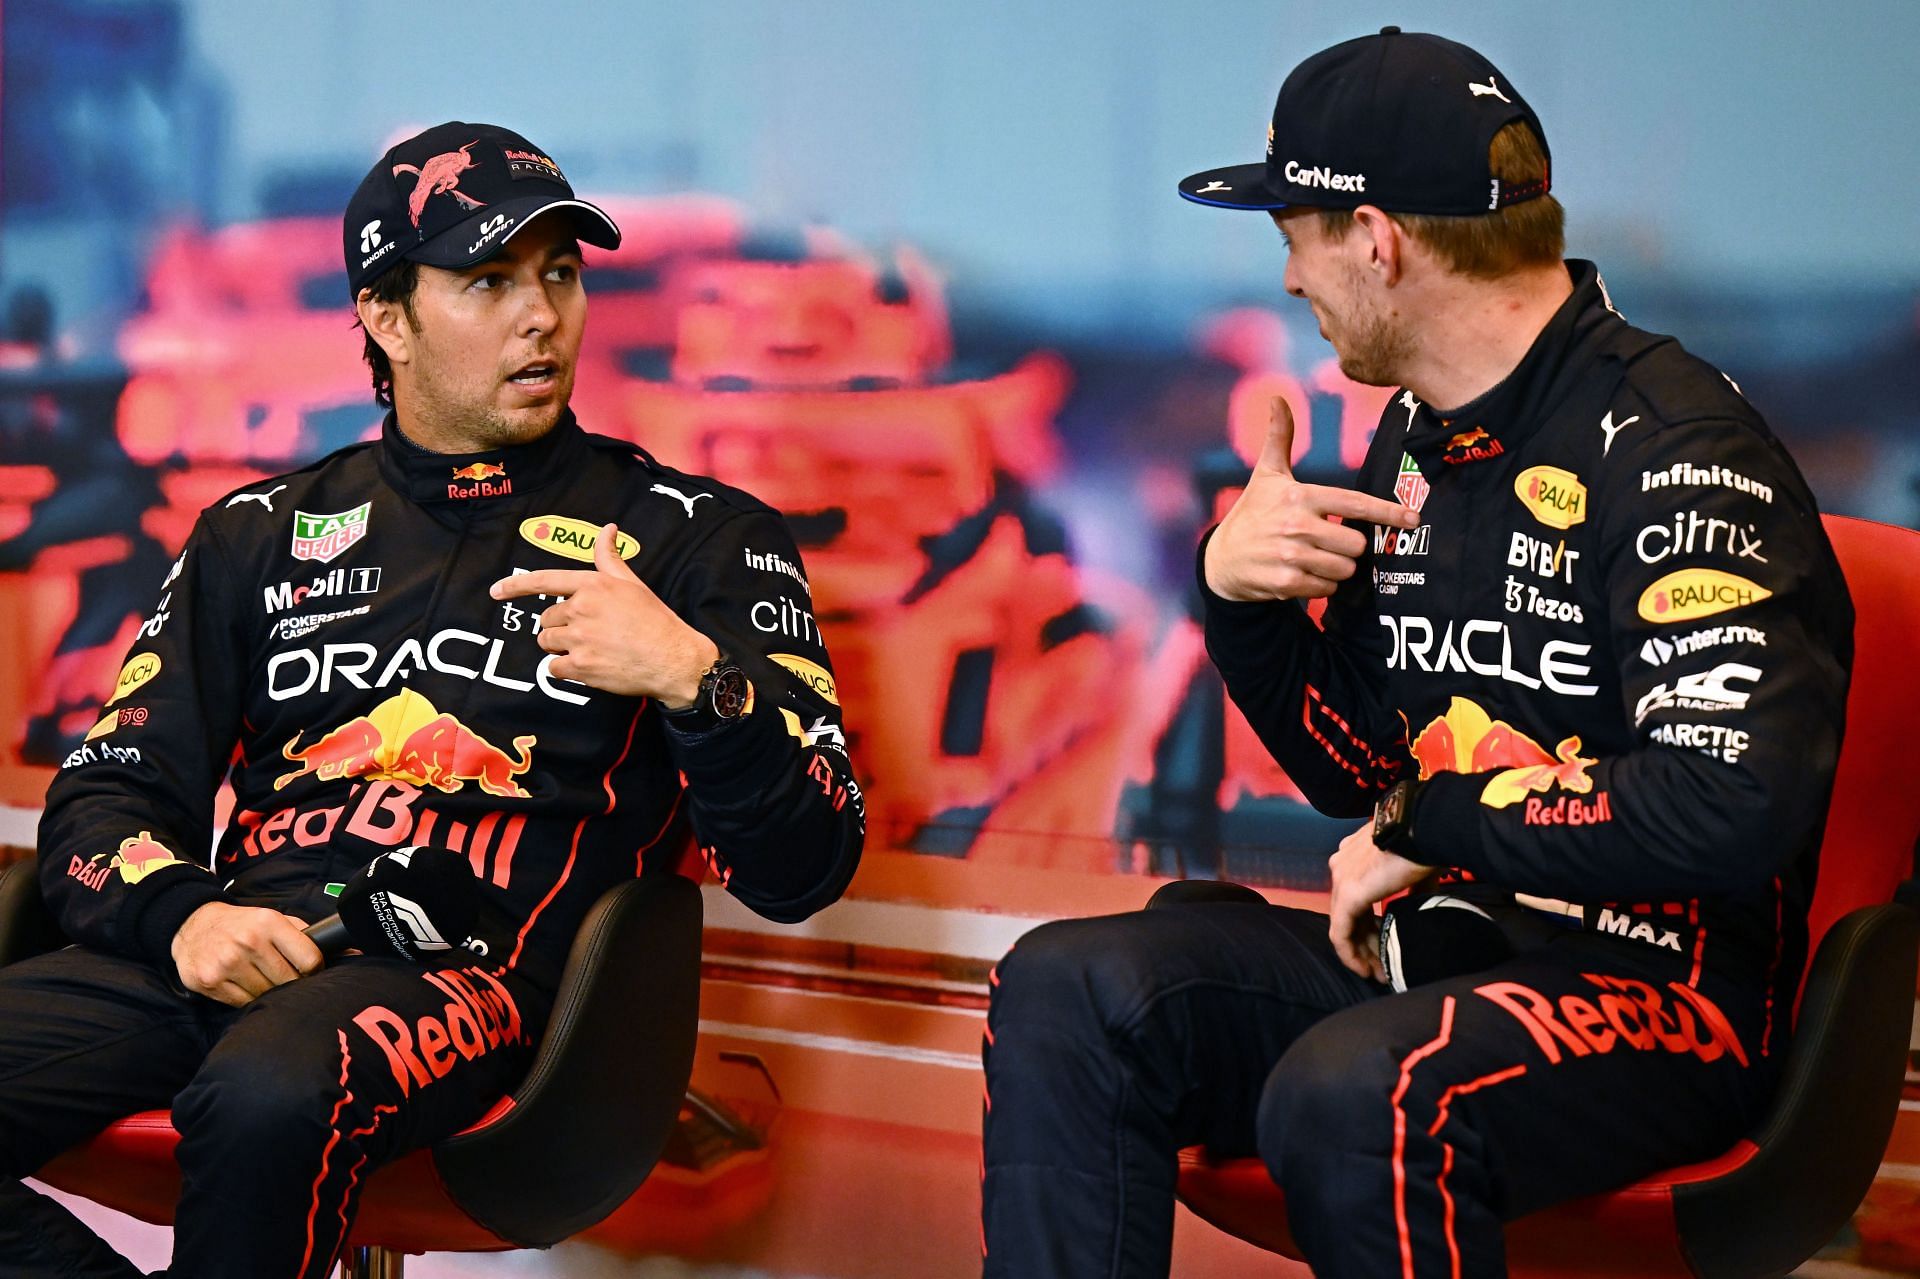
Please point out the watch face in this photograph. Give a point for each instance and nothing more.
(729, 692)
(1388, 814)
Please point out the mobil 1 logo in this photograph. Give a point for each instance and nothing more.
(332, 584)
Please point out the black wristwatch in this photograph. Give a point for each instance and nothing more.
(725, 695)
(1393, 818)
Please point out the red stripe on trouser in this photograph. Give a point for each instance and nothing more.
(1446, 1162)
(326, 1154)
(1773, 968)
(1699, 940)
(353, 1178)
(1426, 1050)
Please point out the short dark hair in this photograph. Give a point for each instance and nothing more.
(396, 285)
(1490, 245)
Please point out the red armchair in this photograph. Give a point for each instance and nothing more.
(1768, 1204)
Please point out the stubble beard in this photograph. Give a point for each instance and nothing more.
(480, 425)
(1372, 348)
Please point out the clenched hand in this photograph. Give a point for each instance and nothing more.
(236, 954)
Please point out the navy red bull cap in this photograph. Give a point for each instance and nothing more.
(1399, 120)
(451, 196)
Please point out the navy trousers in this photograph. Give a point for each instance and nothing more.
(1403, 1128)
(284, 1106)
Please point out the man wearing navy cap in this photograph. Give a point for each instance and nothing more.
(1584, 660)
(488, 631)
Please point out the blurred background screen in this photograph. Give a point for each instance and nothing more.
(917, 275)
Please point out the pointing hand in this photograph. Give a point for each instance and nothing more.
(610, 631)
(1284, 539)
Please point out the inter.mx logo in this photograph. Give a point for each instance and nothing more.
(322, 537)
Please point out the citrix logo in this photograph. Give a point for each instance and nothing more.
(1693, 533)
(1321, 176)
(784, 618)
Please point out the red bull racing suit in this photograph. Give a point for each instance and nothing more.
(326, 641)
(1616, 651)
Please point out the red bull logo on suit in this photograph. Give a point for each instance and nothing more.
(406, 739)
(1467, 740)
(481, 479)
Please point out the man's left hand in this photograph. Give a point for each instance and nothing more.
(610, 631)
(1362, 875)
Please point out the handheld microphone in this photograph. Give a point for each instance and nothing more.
(414, 902)
(1430, 938)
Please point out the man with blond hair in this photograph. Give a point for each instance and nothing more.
(1584, 658)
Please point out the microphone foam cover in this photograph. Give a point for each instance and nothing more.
(415, 902)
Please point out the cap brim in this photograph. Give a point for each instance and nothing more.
(1238, 186)
(467, 243)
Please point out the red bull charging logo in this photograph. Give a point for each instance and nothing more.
(1471, 446)
(481, 479)
(406, 739)
(440, 175)
(1467, 740)
(137, 857)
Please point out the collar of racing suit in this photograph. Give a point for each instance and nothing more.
(467, 478)
(1514, 409)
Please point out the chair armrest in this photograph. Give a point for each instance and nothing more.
(27, 927)
(605, 1089)
(1824, 1136)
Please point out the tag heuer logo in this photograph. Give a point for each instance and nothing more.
(1410, 487)
(322, 537)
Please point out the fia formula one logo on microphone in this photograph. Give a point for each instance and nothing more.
(395, 910)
